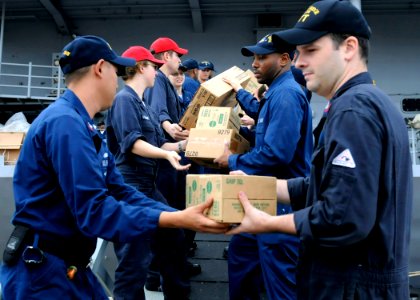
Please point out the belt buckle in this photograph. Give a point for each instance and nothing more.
(33, 255)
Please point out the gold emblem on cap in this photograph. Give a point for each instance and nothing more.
(268, 38)
(66, 53)
(307, 13)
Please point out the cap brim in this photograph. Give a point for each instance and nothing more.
(181, 51)
(251, 50)
(297, 36)
(205, 68)
(183, 68)
(121, 63)
(157, 61)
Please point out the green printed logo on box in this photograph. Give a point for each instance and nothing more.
(189, 197)
(221, 117)
(209, 187)
(212, 123)
(215, 209)
(238, 181)
(194, 185)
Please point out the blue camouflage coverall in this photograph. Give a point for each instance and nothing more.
(355, 208)
(69, 192)
(283, 147)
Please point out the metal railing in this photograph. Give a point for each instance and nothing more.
(30, 81)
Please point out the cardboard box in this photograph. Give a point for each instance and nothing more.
(226, 208)
(252, 85)
(214, 92)
(10, 145)
(204, 145)
(218, 118)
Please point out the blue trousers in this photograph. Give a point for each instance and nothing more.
(269, 258)
(166, 247)
(48, 281)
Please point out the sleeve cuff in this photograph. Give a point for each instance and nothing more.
(233, 162)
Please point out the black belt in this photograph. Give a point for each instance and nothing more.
(74, 251)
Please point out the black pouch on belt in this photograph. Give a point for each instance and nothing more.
(14, 245)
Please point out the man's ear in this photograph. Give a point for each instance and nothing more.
(351, 47)
(284, 59)
(166, 56)
(98, 67)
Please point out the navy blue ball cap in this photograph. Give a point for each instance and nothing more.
(87, 50)
(264, 46)
(188, 64)
(267, 46)
(322, 17)
(205, 64)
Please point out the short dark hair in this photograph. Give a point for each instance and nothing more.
(339, 38)
(77, 74)
(130, 72)
(160, 54)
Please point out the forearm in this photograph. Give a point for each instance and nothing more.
(170, 219)
(166, 126)
(144, 149)
(282, 192)
(177, 147)
(283, 223)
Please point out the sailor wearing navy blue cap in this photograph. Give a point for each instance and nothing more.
(283, 148)
(353, 214)
(68, 191)
(190, 69)
(205, 70)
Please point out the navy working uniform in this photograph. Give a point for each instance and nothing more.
(66, 195)
(357, 201)
(283, 147)
(190, 84)
(164, 100)
(130, 119)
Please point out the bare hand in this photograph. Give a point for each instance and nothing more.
(233, 82)
(174, 159)
(247, 121)
(254, 219)
(176, 132)
(193, 218)
(237, 172)
(223, 160)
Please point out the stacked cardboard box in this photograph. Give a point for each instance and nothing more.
(214, 92)
(10, 145)
(218, 117)
(217, 126)
(252, 85)
(226, 208)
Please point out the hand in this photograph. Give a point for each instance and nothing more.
(174, 159)
(247, 121)
(182, 135)
(193, 218)
(176, 131)
(233, 82)
(254, 220)
(223, 160)
(237, 172)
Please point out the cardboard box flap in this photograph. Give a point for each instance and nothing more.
(11, 140)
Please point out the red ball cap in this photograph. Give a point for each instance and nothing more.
(140, 53)
(164, 44)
